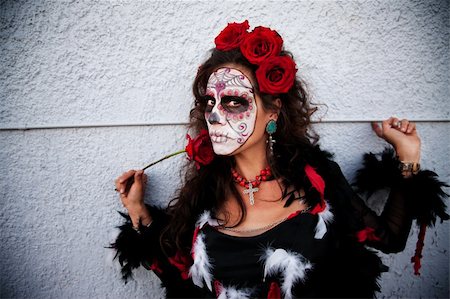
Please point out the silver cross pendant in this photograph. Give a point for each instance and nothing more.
(251, 191)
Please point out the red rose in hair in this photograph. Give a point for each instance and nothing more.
(231, 37)
(276, 75)
(200, 149)
(260, 44)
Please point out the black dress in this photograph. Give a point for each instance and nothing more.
(310, 255)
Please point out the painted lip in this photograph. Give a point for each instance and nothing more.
(219, 137)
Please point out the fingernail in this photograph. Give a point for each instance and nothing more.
(122, 190)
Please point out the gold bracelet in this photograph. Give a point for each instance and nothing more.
(409, 167)
(137, 228)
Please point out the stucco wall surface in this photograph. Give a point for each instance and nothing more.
(92, 65)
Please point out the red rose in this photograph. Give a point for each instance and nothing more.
(231, 37)
(260, 44)
(276, 75)
(200, 149)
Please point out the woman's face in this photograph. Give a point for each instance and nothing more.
(232, 109)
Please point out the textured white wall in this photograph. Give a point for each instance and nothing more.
(78, 63)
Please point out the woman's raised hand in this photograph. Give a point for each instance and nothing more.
(402, 134)
(133, 198)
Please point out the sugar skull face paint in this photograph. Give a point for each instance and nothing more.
(230, 110)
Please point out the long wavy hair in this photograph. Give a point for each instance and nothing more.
(208, 187)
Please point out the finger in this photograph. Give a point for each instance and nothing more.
(387, 124)
(123, 198)
(121, 187)
(411, 127)
(395, 123)
(117, 180)
(138, 177)
(125, 176)
(135, 180)
(377, 129)
(404, 125)
(124, 181)
(118, 185)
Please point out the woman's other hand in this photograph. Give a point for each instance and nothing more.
(133, 198)
(402, 134)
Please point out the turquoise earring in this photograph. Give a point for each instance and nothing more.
(271, 128)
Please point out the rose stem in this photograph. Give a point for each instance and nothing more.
(130, 181)
(163, 158)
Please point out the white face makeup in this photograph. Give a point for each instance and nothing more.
(230, 111)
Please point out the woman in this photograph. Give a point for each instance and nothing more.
(272, 215)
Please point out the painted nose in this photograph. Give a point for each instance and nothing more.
(214, 118)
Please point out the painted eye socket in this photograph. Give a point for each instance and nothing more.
(210, 102)
(234, 104)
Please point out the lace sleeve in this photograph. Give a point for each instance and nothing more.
(420, 197)
(389, 231)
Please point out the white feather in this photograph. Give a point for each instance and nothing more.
(321, 228)
(233, 293)
(204, 218)
(290, 265)
(200, 270)
(223, 294)
(325, 217)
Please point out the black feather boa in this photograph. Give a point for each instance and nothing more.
(134, 249)
(424, 191)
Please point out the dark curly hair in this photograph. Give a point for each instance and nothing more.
(208, 187)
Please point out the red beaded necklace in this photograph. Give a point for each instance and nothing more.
(252, 186)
